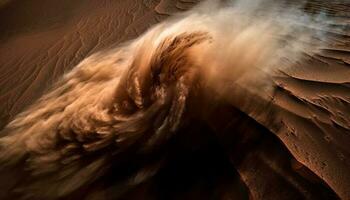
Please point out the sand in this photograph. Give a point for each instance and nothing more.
(289, 141)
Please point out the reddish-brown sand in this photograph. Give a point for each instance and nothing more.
(292, 143)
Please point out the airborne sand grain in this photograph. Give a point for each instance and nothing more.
(134, 113)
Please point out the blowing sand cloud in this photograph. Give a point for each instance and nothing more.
(132, 99)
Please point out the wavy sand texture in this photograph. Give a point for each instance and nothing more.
(192, 109)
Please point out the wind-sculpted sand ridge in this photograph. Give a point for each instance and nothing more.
(312, 109)
(168, 7)
(241, 100)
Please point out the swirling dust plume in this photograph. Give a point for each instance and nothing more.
(133, 98)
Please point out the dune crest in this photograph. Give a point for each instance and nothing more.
(126, 103)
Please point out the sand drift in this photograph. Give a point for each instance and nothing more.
(278, 66)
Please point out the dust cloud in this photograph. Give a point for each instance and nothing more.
(140, 93)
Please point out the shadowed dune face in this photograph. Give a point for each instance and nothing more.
(201, 97)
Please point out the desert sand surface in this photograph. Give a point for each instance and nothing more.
(290, 141)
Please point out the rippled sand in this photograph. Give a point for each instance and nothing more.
(107, 99)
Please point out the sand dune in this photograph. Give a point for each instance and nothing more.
(98, 106)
